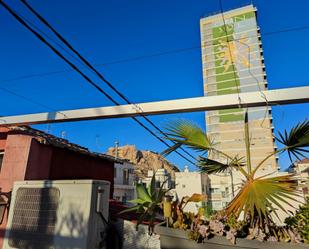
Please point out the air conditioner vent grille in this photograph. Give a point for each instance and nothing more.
(34, 218)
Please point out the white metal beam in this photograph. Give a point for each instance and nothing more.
(250, 99)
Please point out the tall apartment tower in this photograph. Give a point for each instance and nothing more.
(233, 62)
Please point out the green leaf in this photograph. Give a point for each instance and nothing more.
(171, 149)
(152, 187)
(137, 201)
(210, 166)
(142, 193)
(148, 202)
(161, 192)
(184, 132)
(135, 208)
(296, 141)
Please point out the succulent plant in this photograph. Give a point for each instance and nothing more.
(180, 218)
(300, 221)
(231, 235)
(217, 227)
(232, 228)
(148, 202)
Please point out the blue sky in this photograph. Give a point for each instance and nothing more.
(109, 31)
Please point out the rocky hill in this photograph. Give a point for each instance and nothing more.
(144, 160)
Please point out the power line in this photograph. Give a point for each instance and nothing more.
(286, 30)
(26, 98)
(46, 35)
(114, 62)
(88, 64)
(42, 39)
(37, 75)
(30, 100)
(147, 56)
(249, 61)
(125, 60)
(230, 53)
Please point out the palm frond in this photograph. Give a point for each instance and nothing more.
(296, 141)
(261, 197)
(210, 166)
(170, 149)
(185, 132)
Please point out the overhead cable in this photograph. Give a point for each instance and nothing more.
(74, 67)
(146, 56)
(88, 64)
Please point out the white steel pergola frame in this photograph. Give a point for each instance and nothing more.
(250, 99)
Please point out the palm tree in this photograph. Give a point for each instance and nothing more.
(259, 196)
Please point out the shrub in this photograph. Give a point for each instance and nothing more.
(300, 221)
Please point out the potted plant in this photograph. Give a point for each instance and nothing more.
(153, 205)
(300, 221)
(250, 214)
(148, 202)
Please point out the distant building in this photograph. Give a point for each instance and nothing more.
(220, 190)
(188, 183)
(124, 189)
(301, 169)
(233, 62)
(162, 177)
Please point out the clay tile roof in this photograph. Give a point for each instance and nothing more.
(48, 139)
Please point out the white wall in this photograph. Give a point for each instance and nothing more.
(124, 189)
(161, 176)
(188, 183)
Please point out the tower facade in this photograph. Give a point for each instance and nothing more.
(233, 63)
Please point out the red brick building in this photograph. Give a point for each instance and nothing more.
(29, 154)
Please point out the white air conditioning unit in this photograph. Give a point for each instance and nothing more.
(57, 214)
